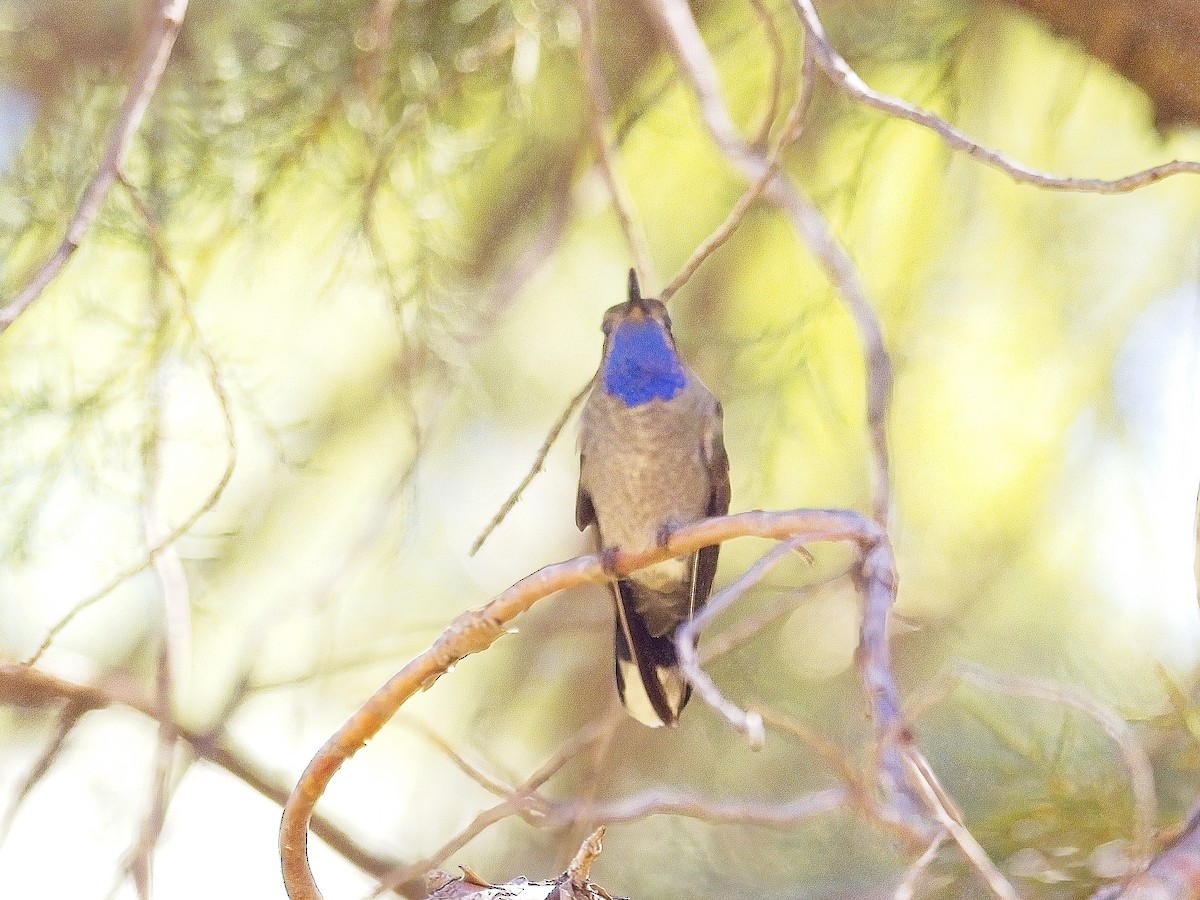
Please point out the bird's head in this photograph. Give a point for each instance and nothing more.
(641, 362)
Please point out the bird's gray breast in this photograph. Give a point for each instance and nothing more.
(645, 467)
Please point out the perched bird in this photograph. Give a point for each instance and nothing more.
(652, 458)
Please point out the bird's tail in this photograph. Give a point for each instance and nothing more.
(649, 680)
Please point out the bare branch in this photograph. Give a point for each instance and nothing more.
(174, 654)
(845, 79)
(153, 62)
(598, 116)
(788, 135)
(592, 777)
(1137, 763)
(34, 686)
(907, 888)
(686, 636)
(745, 629)
(540, 460)
(67, 720)
(488, 782)
(737, 812)
(140, 863)
(697, 68)
(819, 744)
(923, 776)
(226, 408)
(877, 574)
(519, 802)
(476, 630)
(778, 56)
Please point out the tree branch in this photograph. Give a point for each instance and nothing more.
(153, 62)
(848, 81)
(538, 461)
(22, 685)
(598, 115)
(877, 574)
(787, 136)
(226, 410)
(476, 630)
(698, 70)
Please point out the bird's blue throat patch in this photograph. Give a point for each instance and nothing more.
(642, 365)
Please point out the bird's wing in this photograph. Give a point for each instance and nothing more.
(585, 513)
(718, 505)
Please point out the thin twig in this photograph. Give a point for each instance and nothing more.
(226, 408)
(898, 819)
(153, 62)
(749, 723)
(833, 755)
(1137, 763)
(22, 681)
(523, 798)
(778, 58)
(592, 778)
(745, 629)
(598, 116)
(140, 865)
(555, 430)
(697, 68)
(877, 573)
(971, 848)
(725, 812)
(488, 782)
(67, 720)
(848, 81)
(787, 136)
(907, 888)
(174, 650)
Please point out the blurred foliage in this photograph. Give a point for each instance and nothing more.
(397, 246)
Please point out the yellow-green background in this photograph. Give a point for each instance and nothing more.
(388, 391)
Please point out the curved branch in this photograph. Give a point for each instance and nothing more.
(476, 630)
(849, 82)
(149, 71)
(1133, 756)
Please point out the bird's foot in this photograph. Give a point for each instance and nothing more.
(609, 557)
(663, 536)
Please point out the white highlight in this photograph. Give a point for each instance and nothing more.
(637, 701)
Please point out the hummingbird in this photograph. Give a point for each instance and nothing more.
(652, 458)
